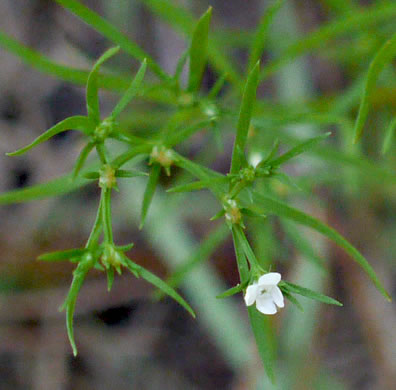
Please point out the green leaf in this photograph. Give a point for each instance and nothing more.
(67, 73)
(293, 300)
(263, 334)
(109, 31)
(183, 21)
(261, 34)
(247, 105)
(62, 255)
(129, 173)
(199, 185)
(159, 283)
(79, 275)
(232, 291)
(383, 57)
(131, 92)
(181, 62)
(82, 158)
(198, 51)
(59, 186)
(297, 150)
(92, 86)
(130, 154)
(272, 206)
(149, 192)
(81, 123)
(389, 134)
(294, 288)
(218, 215)
(218, 85)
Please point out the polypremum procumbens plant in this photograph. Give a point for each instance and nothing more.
(242, 193)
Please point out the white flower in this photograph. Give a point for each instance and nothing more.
(254, 159)
(265, 293)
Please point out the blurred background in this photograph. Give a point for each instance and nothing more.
(127, 340)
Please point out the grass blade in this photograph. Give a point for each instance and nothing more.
(382, 58)
(275, 207)
(198, 51)
(248, 100)
(131, 92)
(81, 123)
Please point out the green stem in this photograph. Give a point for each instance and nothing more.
(96, 229)
(106, 215)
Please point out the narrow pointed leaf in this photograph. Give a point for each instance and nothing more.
(297, 150)
(125, 248)
(79, 275)
(218, 215)
(272, 206)
(130, 173)
(61, 72)
(198, 51)
(306, 292)
(245, 113)
(218, 85)
(159, 283)
(59, 186)
(180, 64)
(92, 85)
(149, 192)
(261, 34)
(293, 300)
(199, 185)
(81, 123)
(389, 135)
(62, 255)
(232, 291)
(82, 158)
(131, 92)
(382, 58)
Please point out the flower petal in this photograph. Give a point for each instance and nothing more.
(272, 278)
(251, 294)
(277, 296)
(266, 306)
